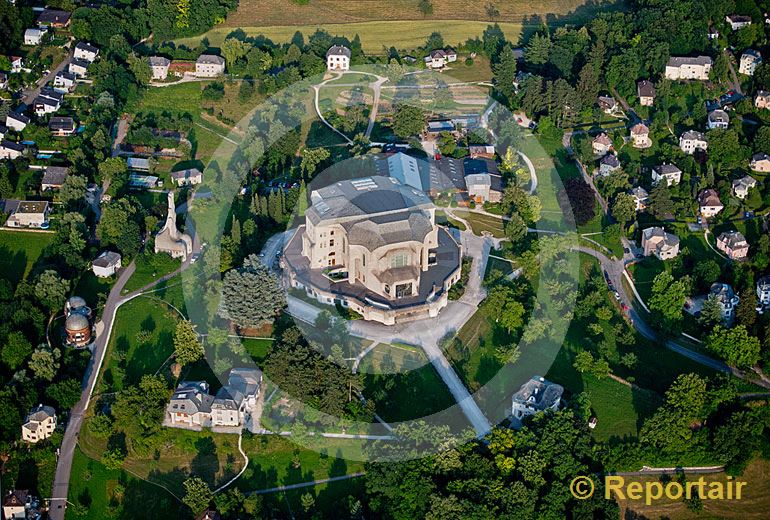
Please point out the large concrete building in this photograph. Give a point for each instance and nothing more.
(372, 245)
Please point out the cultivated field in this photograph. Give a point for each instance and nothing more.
(374, 35)
(282, 12)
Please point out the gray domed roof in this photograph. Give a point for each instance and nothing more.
(76, 322)
(76, 301)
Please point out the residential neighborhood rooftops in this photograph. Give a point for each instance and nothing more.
(722, 292)
(61, 123)
(603, 139)
(10, 145)
(640, 129)
(667, 169)
(41, 413)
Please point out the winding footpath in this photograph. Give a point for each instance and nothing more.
(104, 327)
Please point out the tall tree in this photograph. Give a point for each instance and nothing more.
(505, 72)
(187, 347)
(251, 294)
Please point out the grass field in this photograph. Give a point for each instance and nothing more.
(150, 267)
(281, 12)
(19, 251)
(408, 34)
(138, 357)
(107, 493)
(480, 223)
(754, 503)
(396, 357)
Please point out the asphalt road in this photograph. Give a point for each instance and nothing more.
(67, 450)
(29, 95)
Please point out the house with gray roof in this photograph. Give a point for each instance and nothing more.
(209, 66)
(728, 301)
(608, 165)
(39, 424)
(733, 244)
(193, 407)
(742, 186)
(159, 66)
(684, 67)
(656, 241)
(372, 244)
(668, 172)
(338, 58)
(536, 395)
(54, 177)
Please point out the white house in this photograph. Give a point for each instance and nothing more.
(86, 52)
(188, 177)
(437, 59)
(48, 102)
(78, 68)
(640, 136)
(728, 300)
(683, 67)
(692, 140)
(3, 81)
(749, 62)
(192, 407)
(737, 21)
(669, 172)
(159, 66)
(646, 91)
(762, 99)
(709, 203)
(209, 66)
(742, 186)
(17, 63)
(30, 214)
(601, 144)
(763, 291)
(534, 396)
(64, 81)
(16, 121)
(106, 264)
(10, 150)
(641, 197)
(609, 165)
(338, 58)
(760, 162)
(717, 119)
(39, 424)
(17, 503)
(34, 36)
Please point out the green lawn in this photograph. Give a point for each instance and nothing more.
(150, 267)
(395, 357)
(105, 493)
(93, 288)
(273, 460)
(480, 222)
(128, 359)
(19, 251)
(401, 396)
